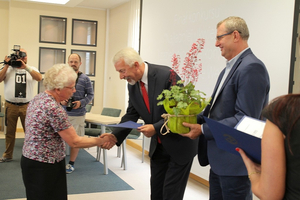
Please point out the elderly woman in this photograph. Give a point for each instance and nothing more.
(47, 127)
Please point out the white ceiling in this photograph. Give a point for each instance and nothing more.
(94, 4)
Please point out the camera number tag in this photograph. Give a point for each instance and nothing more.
(20, 85)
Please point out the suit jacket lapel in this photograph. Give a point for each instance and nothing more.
(151, 88)
(233, 69)
(137, 92)
(213, 96)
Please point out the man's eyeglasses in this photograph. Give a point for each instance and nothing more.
(219, 37)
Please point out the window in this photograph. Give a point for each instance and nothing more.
(88, 59)
(53, 29)
(49, 57)
(84, 32)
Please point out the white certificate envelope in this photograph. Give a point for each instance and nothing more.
(251, 126)
(229, 138)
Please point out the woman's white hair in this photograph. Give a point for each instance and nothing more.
(59, 76)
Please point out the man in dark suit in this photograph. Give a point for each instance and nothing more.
(171, 155)
(242, 89)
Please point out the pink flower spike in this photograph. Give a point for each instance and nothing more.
(190, 69)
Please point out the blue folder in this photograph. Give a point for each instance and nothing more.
(128, 124)
(228, 138)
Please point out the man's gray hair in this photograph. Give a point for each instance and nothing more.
(236, 23)
(129, 55)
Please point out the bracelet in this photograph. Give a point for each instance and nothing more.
(27, 68)
(256, 172)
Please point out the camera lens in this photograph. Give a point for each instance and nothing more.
(70, 104)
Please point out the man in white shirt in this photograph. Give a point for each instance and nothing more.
(19, 81)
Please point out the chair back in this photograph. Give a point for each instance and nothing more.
(88, 107)
(112, 112)
(134, 134)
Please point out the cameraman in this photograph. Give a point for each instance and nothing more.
(19, 82)
(76, 112)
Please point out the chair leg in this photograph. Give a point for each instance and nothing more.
(2, 123)
(119, 151)
(124, 160)
(98, 154)
(143, 149)
(67, 149)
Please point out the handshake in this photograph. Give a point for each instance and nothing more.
(107, 140)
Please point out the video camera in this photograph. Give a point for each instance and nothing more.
(14, 62)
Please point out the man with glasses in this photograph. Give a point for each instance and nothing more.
(19, 82)
(75, 107)
(242, 89)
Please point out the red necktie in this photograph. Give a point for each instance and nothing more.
(145, 95)
(146, 100)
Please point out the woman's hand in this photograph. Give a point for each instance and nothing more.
(108, 140)
(252, 167)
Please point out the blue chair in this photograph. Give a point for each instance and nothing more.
(96, 131)
(88, 109)
(134, 134)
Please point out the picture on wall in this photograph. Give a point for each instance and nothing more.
(50, 56)
(53, 29)
(88, 60)
(84, 32)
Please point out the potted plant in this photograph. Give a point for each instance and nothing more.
(183, 102)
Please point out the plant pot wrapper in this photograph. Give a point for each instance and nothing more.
(174, 122)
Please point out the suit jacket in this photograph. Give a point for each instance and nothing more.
(245, 92)
(181, 149)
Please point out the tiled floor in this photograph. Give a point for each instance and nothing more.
(137, 176)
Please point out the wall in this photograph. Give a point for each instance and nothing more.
(4, 11)
(174, 29)
(22, 20)
(115, 88)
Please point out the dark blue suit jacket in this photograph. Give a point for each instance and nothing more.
(181, 149)
(244, 92)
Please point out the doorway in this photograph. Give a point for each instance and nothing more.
(294, 83)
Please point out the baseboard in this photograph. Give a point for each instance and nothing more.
(199, 179)
(17, 130)
(138, 147)
(192, 176)
(20, 130)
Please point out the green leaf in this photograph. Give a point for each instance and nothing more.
(183, 100)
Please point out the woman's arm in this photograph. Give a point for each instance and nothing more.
(269, 183)
(70, 136)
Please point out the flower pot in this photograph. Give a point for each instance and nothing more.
(175, 123)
